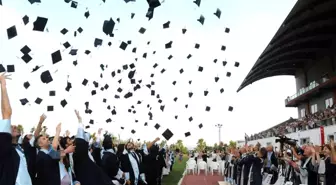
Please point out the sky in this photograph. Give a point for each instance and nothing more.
(252, 25)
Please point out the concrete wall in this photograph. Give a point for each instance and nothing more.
(313, 135)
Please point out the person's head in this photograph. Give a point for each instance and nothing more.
(15, 131)
(269, 148)
(130, 146)
(307, 151)
(120, 148)
(42, 142)
(26, 139)
(262, 153)
(243, 150)
(107, 143)
(326, 150)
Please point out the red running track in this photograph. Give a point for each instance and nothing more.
(202, 179)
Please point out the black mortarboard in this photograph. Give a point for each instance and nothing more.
(152, 92)
(64, 103)
(36, 68)
(186, 106)
(127, 95)
(190, 94)
(93, 92)
(116, 96)
(160, 101)
(66, 45)
(108, 27)
(190, 81)
(198, 2)
(133, 131)
(46, 77)
(224, 63)
(123, 45)
(167, 134)
(176, 116)
(216, 79)
(40, 24)
(113, 74)
(98, 42)
(74, 4)
(38, 100)
(2, 69)
(87, 52)
(109, 43)
(119, 89)
(131, 74)
(87, 14)
(26, 85)
(87, 126)
(106, 86)
(184, 30)
(181, 71)
(150, 13)
(153, 3)
(175, 99)
(85, 81)
(170, 57)
(227, 30)
(91, 121)
(96, 84)
(189, 56)
(114, 112)
(191, 118)
(34, 1)
(228, 74)
(145, 124)
(126, 1)
(223, 48)
(104, 100)
(132, 15)
(64, 31)
(52, 93)
(236, 64)
(157, 126)
(134, 50)
(50, 108)
(142, 30)
(215, 60)
(129, 42)
(200, 68)
(207, 108)
(174, 82)
(26, 58)
(109, 120)
(155, 65)
(197, 45)
(56, 57)
(25, 49)
(200, 125)
(144, 55)
(162, 107)
(24, 101)
(11, 32)
(118, 19)
(73, 52)
(75, 33)
(68, 87)
(122, 128)
(67, 1)
(166, 25)
(25, 19)
(187, 134)
(169, 45)
(230, 108)
(221, 90)
(218, 13)
(201, 19)
(132, 66)
(163, 70)
(10, 68)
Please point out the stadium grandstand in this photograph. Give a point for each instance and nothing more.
(304, 47)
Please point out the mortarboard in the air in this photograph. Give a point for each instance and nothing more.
(64, 103)
(11, 32)
(24, 101)
(118, 19)
(87, 126)
(128, 95)
(85, 81)
(160, 101)
(40, 24)
(25, 49)
(25, 19)
(200, 125)
(26, 58)
(174, 82)
(91, 121)
(87, 52)
(26, 85)
(187, 134)
(175, 99)
(95, 84)
(144, 55)
(223, 48)
(215, 61)
(119, 89)
(73, 52)
(80, 29)
(153, 3)
(122, 128)
(146, 124)
(104, 100)
(64, 31)
(169, 45)
(0, 2)
(228, 74)
(52, 93)
(142, 30)
(162, 107)
(98, 42)
(36, 68)
(186, 106)
(123, 45)
(129, 42)
(106, 86)
(218, 13)
(184, 30)
(224, 63)
(201, 19)
(170, 57)
(56, 57)
(109, 43)
(230, 108)
(2, 69)
(157, 126)
(93, 92)
(181, 71)
(191, 118)
(216, 79)
(10, 68)
(200, 68)
(68, 87)
(34, 1)
(67, 1)
(197, 2)
(190, 94)
(190, 81)
(87, 14)
(236, 64)
(176, 116)
(166, 25)
(189, 56)
(167, 134)
(197, 46)
(221, 90)
(108, 27)
(150, 13)
(46, 77)
(75, 33)
(38, 100)
(126, 1)
(50, 108)
(114, 112)
(227, 30)
(152, 92)
(74, 4)
(207, 108)
(132, 15)
(134, 50)
(66, 45)
(132, 65)
(163, 70)
(109, 120)
(133, 131)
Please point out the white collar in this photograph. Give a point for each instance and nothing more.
(45, 151)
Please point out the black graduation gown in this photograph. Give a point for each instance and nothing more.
(330, 172)
(30, 153)
(246, 165)
(9, 160)
(96, 155)
(126, 167)
(256, 165)
(151, 166)
(47, 170)
(110, 165)
(274, 161)
(86, 171)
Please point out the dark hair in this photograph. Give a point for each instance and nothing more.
(37, 141)
(107, 142)
(263, 152)
(120, 149)
(63, 142)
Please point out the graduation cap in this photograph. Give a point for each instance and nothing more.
(153, 3)
(109, 43)
(224, 63)
(73, 52)
(187, 134)
(52, 93)
(24, 101)
(157, 126)
(230, 108)
(36, 68)
(200, 68)
(66, 45)
(146, 124)
(87, 52)
(228, 74)
(74, 4)
(11, 32)
(163, 70)
(191, 118)
(132, 66)
(128, 95)
(25, 49)
(186, 106)
(190, 94)
(25, 19)
(34, 1)
(184, 30)
(129, 42)
(190, 81)
(80, 29)
(64, 103)
(169, 45)
(2, 69)
(200, 125)
(85, 81)
(181, 71)
(197, 46)
(38, 101)
(144, 55)
(87, 126)
(114, 112)
(223, 48)
(108, 27)
(174, 82)
(123, 45)
(189, 56)
(109, 120)
(91, 121)
(227, 30)
(133, 131)
(236, 64)
(26, 58)
(176, 116)
(10, 68)
(170, 57)
(216, 79)
(142, 30)
(26, 85)
(87, 14)
(175, 99)
(162, 107)
(207, 108)
(56, 57)
(197, 2)
(50, 108)
(201, 19)
(221, 90)
(215, 60)
(68, 87)
(218, 13)
(166, 25)
(150, 13)
(40, 24)
(132, 15)
(167, 134)
(93, 92)
(122, 128)
(46, 77)
(64, 31)
(98, 42)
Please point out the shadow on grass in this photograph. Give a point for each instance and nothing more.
(174, 176)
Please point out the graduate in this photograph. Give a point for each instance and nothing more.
(13, 165)
(86, 170)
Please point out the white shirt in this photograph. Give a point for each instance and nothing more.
(135, 166)
(22, 177)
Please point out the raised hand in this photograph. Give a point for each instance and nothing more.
(3, 78)
(78, 116)
(43, 117)
(58, 128)
(67, 133)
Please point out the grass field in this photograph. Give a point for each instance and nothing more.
(174, 177)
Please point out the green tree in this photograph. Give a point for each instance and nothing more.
(163, 143)
(201, 145)
(232, 144)
(32, 130)
(20, 129)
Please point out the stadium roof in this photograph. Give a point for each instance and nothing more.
(308, 32)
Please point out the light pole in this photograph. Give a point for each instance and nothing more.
(219, 132)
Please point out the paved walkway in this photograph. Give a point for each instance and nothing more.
(202, 179)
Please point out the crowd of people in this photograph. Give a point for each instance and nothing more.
(36, 159)
(250, 165)
(309, 121)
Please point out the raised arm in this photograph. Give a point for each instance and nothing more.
(5, 124)
(39, 125)
(152, 143)
(6, 109)
(55, 141)
(80, 130)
